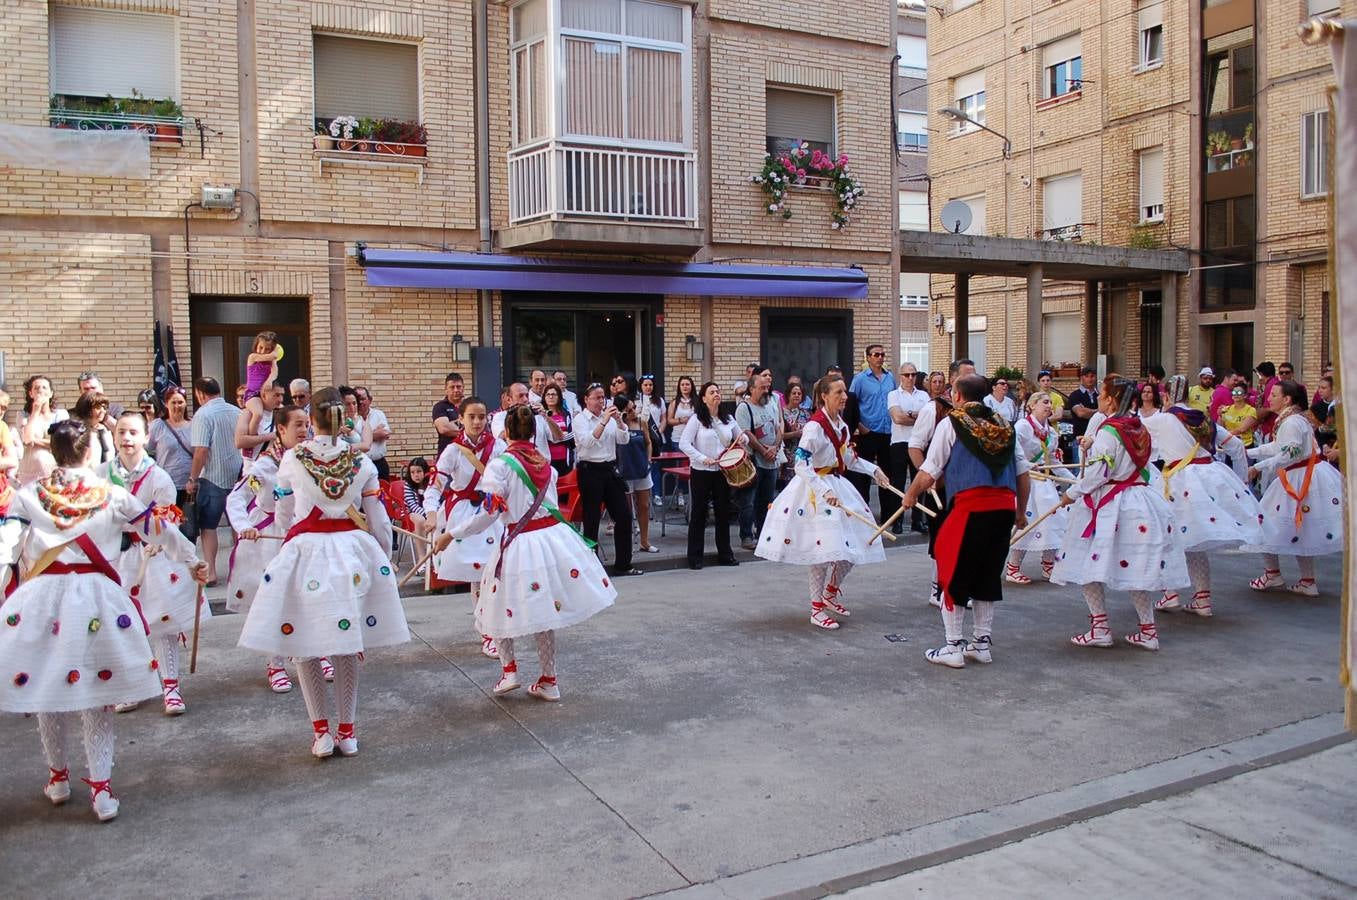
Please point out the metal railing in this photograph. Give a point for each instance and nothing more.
(1063, 233)
(158, 129)
(1230, 159)
(563, 181)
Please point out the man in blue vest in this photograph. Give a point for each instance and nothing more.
(987, 483)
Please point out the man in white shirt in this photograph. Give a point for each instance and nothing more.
(919, 439)
(598, 433)
(572, 403)
(537, 383)
(381, 430)
(904, 404)
(547, 430)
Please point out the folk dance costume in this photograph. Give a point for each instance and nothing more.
(803, 529)
(330, 591)
(455, 491)
(165, 588)
(542, 576)
(924, 426)
(1302, 504)
(973, 448)
(1120, 533)
(1038, 444)
(71, 637)
(251, 505)
(1211, 508)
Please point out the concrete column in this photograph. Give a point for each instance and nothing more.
(339, 315)
(1035, 327)
(1168, 322)
(247, 88)
(961, 337)
(707, 334)
(1093, 327)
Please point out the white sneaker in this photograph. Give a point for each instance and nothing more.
(1305, 587)
(347, 746)
(58, 788)
(507, 682)
(105, 805)
(978, 650)
(323, 745)
(952, 655)
(126, 707)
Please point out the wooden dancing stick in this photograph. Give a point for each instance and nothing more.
(1041, 518)
(868, 522)
(1043, 476)
(881, 531)
(923, 509)
(197, 622)
(419, 537)
(415, 568)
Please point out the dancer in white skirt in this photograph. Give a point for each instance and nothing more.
(807, 524)
(1039, 444)
(250, 510)
(1211, 508)
(164, 587)
(1120, 533)
(71, 638)
(1302, 505)
(331, 590)
(542, 576)
(455, 491)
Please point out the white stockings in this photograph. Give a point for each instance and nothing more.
(546, 653)
(317, 694)
(954, 620)
(99, 741)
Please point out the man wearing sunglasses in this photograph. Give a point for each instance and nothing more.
(299, 395)
(872, 387)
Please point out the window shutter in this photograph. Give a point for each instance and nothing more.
(1060, 51)
(913, 51)
(794, 114)
(1060, 337)
(911, 123)
(1151, 14)
(914, 210)
(1318, 7)
(977, 205)
(96, 52)
(966, 85)
(1062, 200)
(366, 78)
(1151, 178)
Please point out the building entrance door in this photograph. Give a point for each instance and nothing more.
(805, 343)
(590, 341)
(222, 332)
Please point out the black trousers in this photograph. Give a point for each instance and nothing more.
(383, 469)
(704, 486)
(600, 485)
(875, 447)
(903, 471)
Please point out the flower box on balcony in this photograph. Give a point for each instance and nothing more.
(161, 120)
(389, 137)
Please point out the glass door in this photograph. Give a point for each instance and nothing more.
(222, 332)
(590, 341)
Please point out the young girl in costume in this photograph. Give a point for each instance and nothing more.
(71, 637)
(1302, 505)
(261, 370)
(250, 510)
(1120, 532)
(331, 590)
(542, 576)
(1039, 442)
(806, 524)
(164, 588)
(455, 491)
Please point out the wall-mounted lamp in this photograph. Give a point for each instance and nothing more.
(461, 349)
(693, 349)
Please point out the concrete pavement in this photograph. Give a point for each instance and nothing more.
(708, 737)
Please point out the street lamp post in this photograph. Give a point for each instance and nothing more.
(957, 115)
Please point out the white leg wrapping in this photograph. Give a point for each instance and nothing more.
(952, 622)
(819, 577)
(1199, 568)
(1307, 566)
(1144, 607)
(1015, 558)
(546, 652)
(313, 688)
(984, 618)
(1096, 598)
(346, 686)
(167, 653)
(52, 730)
(840, 572)
(1271, 562)
(506, 651)
(98, 725)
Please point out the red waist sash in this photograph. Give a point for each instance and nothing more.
(314, 524)
(1196, 461)
(1117, 488)
(947, 548)
(539, 523)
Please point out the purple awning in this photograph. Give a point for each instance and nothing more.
(501, 272)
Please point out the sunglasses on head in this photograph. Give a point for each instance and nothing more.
(592, 385)
(85, 376)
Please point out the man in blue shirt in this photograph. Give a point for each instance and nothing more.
(872, 387)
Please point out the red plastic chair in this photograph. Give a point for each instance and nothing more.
(393, 498)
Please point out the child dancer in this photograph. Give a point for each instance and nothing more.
(1302, 505)
(454, 490)
(261, 370)
(806, 524)
(1120, 533)
(542, 576)
(250, 510)
(165, 588)
(330, 591)
(71, 637)
(1039, 443)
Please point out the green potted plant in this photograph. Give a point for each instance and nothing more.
(366, 132)
(322, 139)
(401, 138)
(167, 132)
(343, 129)
(1009, 374)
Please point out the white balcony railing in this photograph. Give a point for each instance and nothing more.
(567, 181)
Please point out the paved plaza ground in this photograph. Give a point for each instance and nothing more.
(711, 742)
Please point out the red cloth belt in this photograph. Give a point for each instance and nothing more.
(97, 565)
(63, 568)
(947, 548)
(314, 524)
(1196, 461)
(452, 498)
(539, 523)
(1117, 488)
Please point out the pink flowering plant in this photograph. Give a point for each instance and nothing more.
(802, 166)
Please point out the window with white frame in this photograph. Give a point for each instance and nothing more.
(1152, 184)
(1320, 7)
(1314, 154)
(968, 92)
(365, 78)
(977, 204)
(1060, 333)
(1062, 200)
(1063, 65)
(799, 116)
(1151, 30)
(914, 290)
(962, 4)
(913, 53)
(623, 68)
(101, 53)
(911, 132)
(914, 350)
(914, 210)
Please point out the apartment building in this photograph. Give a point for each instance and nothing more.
(1152, 125)
(425, 187)
(911, 151)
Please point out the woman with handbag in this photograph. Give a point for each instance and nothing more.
(706, 435)
(170, 444)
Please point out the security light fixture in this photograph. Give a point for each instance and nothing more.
(957, 115)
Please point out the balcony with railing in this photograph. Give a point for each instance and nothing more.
(161, 121)
(562, 181)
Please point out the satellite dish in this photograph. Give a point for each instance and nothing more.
(956, 216)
